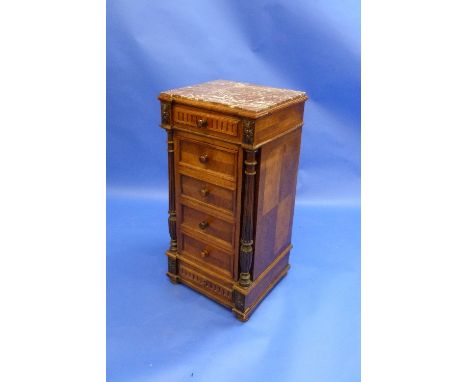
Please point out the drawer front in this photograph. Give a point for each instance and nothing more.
(215, 160)
(208, 193)
(206, 224)
(206, 254)
(206, 122)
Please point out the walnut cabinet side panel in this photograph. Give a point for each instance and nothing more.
(277, 175)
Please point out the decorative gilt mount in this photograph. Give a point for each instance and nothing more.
(239, 300)
(165, 113)
(248, 131)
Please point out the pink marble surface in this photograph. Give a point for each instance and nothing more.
(236, 94)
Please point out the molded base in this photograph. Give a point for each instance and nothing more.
(242, 301)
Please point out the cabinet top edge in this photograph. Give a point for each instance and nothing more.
(242, 99)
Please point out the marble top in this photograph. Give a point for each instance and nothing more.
(238, 95)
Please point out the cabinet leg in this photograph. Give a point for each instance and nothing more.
(172, 268)
(241, 316)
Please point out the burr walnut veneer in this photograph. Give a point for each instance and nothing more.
(233, 152)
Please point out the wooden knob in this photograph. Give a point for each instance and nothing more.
(204, 253)
(202, 123)
(203, 225)
(203, 158)
(204, 192)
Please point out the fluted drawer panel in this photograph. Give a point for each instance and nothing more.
(205, 122)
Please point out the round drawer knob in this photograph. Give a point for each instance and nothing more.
(202, 123)
(204, 253)
(203, 158)
(204, 192)
(203, 225)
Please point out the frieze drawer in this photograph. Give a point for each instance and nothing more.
(204, 122)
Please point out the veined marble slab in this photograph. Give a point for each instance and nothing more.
(238, 95)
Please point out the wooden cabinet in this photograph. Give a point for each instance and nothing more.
(233, 152)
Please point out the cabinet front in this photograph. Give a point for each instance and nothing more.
(207, 202)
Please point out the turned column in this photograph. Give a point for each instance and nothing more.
(171, 252)
(246, 244)
(172, 211)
